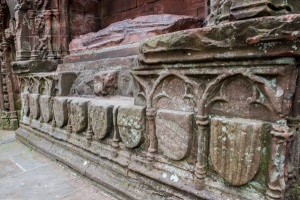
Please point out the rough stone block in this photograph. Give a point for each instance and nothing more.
(131, 124)
(105, 83)
(174, 133)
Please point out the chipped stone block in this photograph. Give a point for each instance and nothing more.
(60, 110)
(106, 83)
(78, 114)
(131, 124)
(47, 108)
(174, 133)
(34, 105)
(100, 118)
(236, 148)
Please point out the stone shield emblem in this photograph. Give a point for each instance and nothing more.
(46, 105)
(34, 105)
(60, 110)
(100, 119)
(235, 148)
(78, 115)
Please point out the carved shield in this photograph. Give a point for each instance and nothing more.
(34, 105)
(131, 124)
(46, 105)
(100, 119)
(25, 104)
(78, 115)
(60, 109)
(235, 148)
(174, 133)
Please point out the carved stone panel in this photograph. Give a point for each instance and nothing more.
(131, 124)
(174, 133)
(100, 118)
(34, 105)
(47, 108)
(25, 104)
(78, 114)
(60, 110)
(236, 148)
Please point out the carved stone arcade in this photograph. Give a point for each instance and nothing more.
(189, 112)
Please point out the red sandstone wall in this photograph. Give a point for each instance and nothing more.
(117, 10)
(84, 17)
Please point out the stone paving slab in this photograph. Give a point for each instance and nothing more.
(29, 175)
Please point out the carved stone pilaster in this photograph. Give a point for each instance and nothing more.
(201, 165)
(278, 166)
(150, 115)
(56, 25)
(48, 33)
(116, 138)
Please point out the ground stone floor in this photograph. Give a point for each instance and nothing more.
(27, 174)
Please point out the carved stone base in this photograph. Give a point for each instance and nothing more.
(123, 185)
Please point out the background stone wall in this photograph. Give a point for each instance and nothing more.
(118, 10)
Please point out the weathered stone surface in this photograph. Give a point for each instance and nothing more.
(130, 31)
(21, 67)
(209, 103)
(118, 10)
(131, 124)
(34, 105)
(105, 83)
(174, 133)
(222, 11)
(78, 114)
(25, 104)
(253, 38)
(60, 111)
(125, 83)
(84, 17)
(236, 148)
(100, 118)
(46, 105)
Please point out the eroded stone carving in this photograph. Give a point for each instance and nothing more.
(25, 104)
(131, 124)
(100, 118)
(60, 110)
(34, 106)
(106, 83)
(230, 10)
(174, 133)
(208, 116)
(236, 148)
(78, 115)
(46, 104)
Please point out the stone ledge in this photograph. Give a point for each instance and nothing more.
(262, 37)
(34, 66)
(106, 53)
